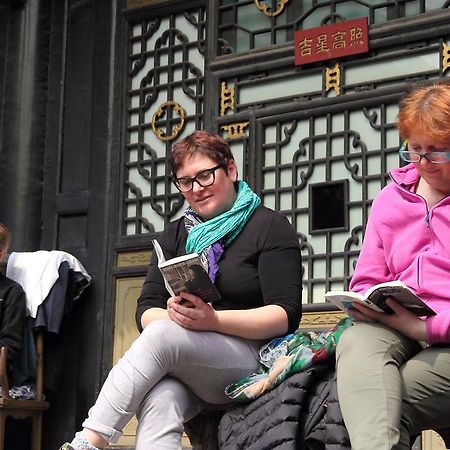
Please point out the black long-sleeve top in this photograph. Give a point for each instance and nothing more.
(262, 266)
(12, 316)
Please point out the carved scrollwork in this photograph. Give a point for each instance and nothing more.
(235, 130)
(226, 98)
(133, 258)
(265, 8)
(333, 78)
(445, 56)
(161, 112)
(321, 320)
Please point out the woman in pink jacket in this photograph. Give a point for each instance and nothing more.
(394, 369)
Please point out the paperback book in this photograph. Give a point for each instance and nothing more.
(186, 273)
(375, 298)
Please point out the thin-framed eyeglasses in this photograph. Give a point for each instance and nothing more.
(204, 178)
(415, 157)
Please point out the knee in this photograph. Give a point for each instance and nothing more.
(161, 333)
(352, 341)
(347, 339)
(160, 327)
(158, 339)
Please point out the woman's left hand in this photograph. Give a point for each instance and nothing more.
(401, 320)
(193, 313)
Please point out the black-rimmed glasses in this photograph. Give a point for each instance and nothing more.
(204, 178)
(415, 157)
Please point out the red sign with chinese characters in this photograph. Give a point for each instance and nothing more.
(349, 37)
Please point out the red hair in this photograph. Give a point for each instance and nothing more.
(426, 110)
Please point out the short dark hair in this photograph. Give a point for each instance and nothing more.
(201, 143)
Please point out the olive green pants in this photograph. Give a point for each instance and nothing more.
(390, 387)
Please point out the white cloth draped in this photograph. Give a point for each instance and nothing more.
(37, 272)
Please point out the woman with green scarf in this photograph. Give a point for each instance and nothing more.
(189, 350)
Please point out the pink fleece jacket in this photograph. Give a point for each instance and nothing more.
(406, 241)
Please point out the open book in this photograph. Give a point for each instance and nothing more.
(375, 298)
(186, 274)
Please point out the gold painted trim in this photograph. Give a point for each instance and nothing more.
(333, 78)
(445, 56)
(264, 8)
(226, 98)
(177, 129)
(235, 130)
(133, 259)
(125, 332)
(320, 320)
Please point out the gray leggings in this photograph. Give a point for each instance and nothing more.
(164, 378)
(390, 387)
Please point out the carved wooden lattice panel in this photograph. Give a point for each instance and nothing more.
(314, 142)
(164, 102)
(323, 171)
(254, 24)
(319, 155)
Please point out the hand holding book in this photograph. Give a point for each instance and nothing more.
(186, 274)
(375, 299)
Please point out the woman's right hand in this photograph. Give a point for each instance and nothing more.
(190, 311)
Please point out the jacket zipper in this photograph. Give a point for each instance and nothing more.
(427, 211)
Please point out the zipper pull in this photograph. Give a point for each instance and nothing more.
(427, 218)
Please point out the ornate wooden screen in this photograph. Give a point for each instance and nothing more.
(315, 142)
